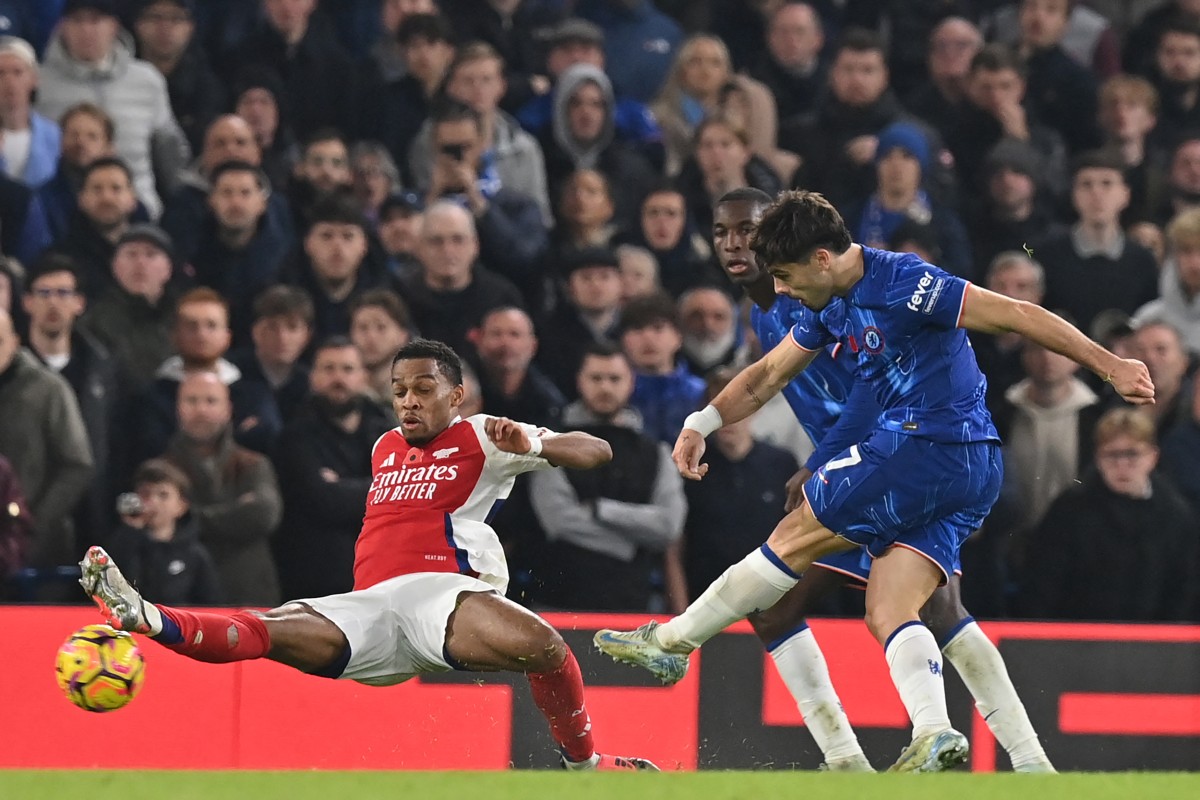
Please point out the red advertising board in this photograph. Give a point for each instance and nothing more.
(1101, 696)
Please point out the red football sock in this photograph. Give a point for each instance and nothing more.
(559, 696)
(215, 638)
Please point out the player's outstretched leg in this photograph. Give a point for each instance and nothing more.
(216, 638)
(754, 583)
(901, 581)
(982, 669)
(292, 635)
(489, 633)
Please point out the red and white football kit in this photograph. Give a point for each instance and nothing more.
(424, 541)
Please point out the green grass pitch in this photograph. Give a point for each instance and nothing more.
(154, 785)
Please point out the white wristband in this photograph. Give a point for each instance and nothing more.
(535, 446)
(704, 421)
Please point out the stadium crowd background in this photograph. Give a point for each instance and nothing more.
(219, 219)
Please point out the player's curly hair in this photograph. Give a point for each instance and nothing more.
(440, 352)
(797, 224)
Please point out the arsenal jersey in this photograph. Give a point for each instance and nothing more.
(428, 507)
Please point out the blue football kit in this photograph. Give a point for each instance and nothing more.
(927, 471)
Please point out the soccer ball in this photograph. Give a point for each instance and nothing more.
(100, 668)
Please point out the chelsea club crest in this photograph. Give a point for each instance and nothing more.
(873, 340)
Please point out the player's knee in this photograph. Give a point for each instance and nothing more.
(771, 626)
(546, 650)
(942, 619)
(942, 612)
(882, 620)
(302, 637)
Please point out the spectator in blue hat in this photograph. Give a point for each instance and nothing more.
(902, 160)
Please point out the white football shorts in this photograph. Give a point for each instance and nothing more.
(397, 628)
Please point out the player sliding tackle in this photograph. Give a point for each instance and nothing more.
(913, 490)
(429, 573)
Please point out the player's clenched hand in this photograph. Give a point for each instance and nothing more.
(689, 447)
(795, 489)
(509, 436)
(1132, 381)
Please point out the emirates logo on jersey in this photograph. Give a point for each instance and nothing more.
(410, 483)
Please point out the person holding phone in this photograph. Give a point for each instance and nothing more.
(512, 234)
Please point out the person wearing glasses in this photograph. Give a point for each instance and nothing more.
(1120, 545)
(53, 301)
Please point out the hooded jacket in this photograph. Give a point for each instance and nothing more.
(585, 156)
(629, 173)
(148, 138)
(1173, 305)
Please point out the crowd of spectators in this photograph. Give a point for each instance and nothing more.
(219, 219)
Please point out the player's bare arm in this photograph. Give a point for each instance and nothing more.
(575, 449)
(989, 312)
(744, 395)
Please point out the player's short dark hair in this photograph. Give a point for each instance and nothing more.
(996, 58)
(441, 353)
(338, 208)
(797, 224)
(642, 312)
(284, 301)
(159, 470)
(430, 27)
(226, 167)
(746, 194)
(860, 40)
(107, 162)
(1098, 159)
(51, 262)
(388, 302)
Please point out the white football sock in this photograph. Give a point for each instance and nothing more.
(153, 618)
(916, 665)
(982, 669)
(753, 584)
(802, 666)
